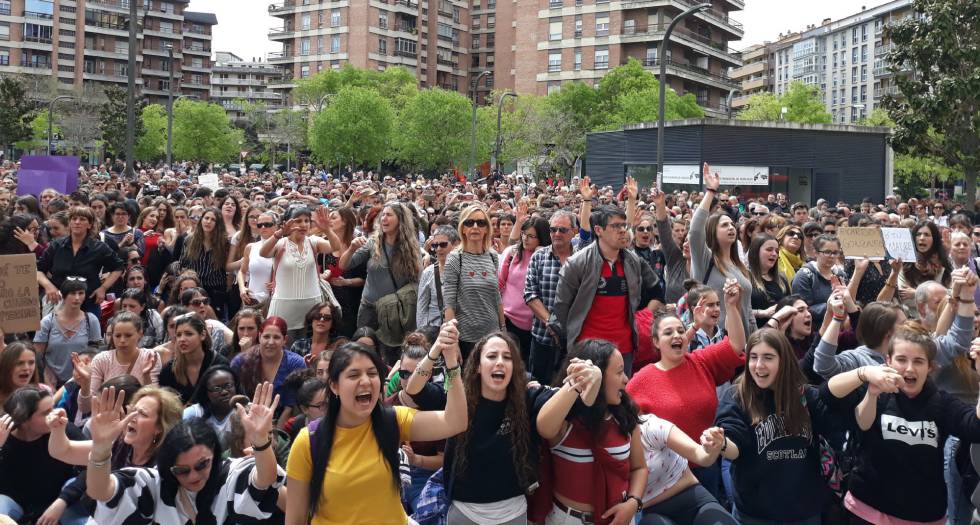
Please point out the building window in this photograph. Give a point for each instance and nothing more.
(476, 21)
(629, 27)
(491, 39)
(554, 87)
(382, 46)
(335, 44)
(602, 25)
(601, 58)
(651, 58)
(304, 47)
(578, 59)
(578, 26)
(554, 30)
(864, 53)
(490, 60)
(476, 60)
(491, 21)
(4, 31)
(304, 71)
(445, 31)
(476, 42)
(335, 18)
(554, 4)
(864, 73)
(305, 24)
(554, 62)
(383, 20)
(864, 93)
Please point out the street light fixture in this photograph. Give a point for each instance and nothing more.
(476, 82)
(662, 56)
(496, 149)
(51, 119)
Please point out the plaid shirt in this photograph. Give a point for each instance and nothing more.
(542, 283)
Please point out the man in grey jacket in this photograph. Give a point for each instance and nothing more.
(601, 287)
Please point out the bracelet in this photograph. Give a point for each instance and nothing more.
(639, 502)
(840, 319)
(861, 375)
(100, 463)
(711, 189)
(451, 373)
(433, 359)
(262, 447)
(724, 445)
(888, 285)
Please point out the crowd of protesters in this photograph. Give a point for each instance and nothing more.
(307, 347)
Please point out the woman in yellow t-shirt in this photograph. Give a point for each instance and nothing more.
(351, 460)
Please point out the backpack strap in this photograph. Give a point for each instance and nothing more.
(707, 273)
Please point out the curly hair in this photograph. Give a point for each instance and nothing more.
(406, 263)
(516, 410)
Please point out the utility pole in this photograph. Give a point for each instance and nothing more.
(495, 168)
(170, 108)
(51, 120)
(131, 93)
(476, 82)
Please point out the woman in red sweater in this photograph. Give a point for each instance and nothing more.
(680, 387)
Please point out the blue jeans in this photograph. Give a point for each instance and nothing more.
(11, 508)
(544, 358)
(419, 477)
(958, 506)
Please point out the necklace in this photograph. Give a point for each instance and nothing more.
(297, 254)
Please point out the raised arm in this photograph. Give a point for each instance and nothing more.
(586, 190)
(733, 316)
(551, 420)
(345, 258)
(879, 378)
(442, 424)
(632, 192)
(887, 292)
(59, 446)
(711, 183)
(257, 423)
(860, 267)
(106, 425)
(268, 248)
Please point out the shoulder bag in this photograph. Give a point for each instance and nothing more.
(396, 311)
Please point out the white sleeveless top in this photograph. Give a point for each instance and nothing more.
(259, 271)
(296, 275)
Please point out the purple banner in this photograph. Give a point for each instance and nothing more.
(67, 165)
(33, 182)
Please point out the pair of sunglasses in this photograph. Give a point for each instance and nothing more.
(180, 470)
(469, 223)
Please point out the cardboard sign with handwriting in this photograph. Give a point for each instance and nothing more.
(859, 243)
(20, 308)
(899, 243)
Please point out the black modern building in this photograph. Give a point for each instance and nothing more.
(805, 161)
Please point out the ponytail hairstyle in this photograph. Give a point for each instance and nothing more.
(383, 424)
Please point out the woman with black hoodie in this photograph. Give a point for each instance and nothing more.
(771, 419)
(904, 421)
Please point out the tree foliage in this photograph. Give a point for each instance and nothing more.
(803, 103)
(15, 112)
(938, 112)
(38, 140)
(355, 127)
(203, 132)
(396, 84)
(434, 130)
(152, 144)
(112, 120)
(75, 123)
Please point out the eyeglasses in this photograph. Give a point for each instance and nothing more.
(644, 229)
(617, 226)
(469, 223)
(439, 245)
(830, 253)
(265, 224)
(404, 374)
(529, 236)
(813, 235)
(976, 234)
(559, 229)
(200, 302)
(323, 317)
(180, 470)
(760, 213)
(75, 278)
(830, 232)
(227, 387)
(195, 218)
(796, 234)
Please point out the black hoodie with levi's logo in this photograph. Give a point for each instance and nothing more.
(899, 468)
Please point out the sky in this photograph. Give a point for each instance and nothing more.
(243, 25)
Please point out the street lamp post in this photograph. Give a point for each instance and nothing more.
(131, 93)
(496, 148)
(476, 82)
(662, 56)
(729, 99)
(170, 108)
(51, 119)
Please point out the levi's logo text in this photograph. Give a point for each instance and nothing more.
(911, 432)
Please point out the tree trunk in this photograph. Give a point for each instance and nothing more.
(970, 188)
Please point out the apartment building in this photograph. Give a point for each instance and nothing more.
(846, 59)
(428, 37)
(562, 41)
(86, 43)
(234, 79)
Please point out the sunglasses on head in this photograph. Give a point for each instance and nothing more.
(200, 302)
(439, 245)
(180, 470)
(469, 223)
(75, 278)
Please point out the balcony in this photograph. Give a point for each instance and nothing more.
(163, 32)
(37, 16)
(281, 33)
(755, 83)
(413, 54)
(700, 43)
(195, 50)
(694, 73)
(748, 70)
(718, 17)
(38, 39)
(115, 6)
(34, 62)
(882, 50)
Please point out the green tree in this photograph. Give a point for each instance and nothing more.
(356, 127)
(644, 106)
(112, 120)
(203, 132)
(938, 112)
(15, 112)
(803, 103)
(38, 139)
(397, 84)
(152, 143)
(434, 130)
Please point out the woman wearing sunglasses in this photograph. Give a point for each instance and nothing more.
(321, 329)
(791, 257)
(191, 482)
(269, 362)
(428, 311)
(256, 271)
(213, 400)
(470, 288)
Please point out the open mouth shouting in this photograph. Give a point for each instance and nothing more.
(364, 399)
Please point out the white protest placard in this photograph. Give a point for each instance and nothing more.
(742, 175)
(682, 174)
(209, 180)
(899, 243)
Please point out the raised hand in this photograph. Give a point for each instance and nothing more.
(585, 188)
(882, 379)
(257, 420)
(147, 370)
(107, 421)
(732, 293)
(784, 315)
(861, 265)
(836, 304)
(288, 227)
(57, 420)
(711, 180)
(632, 189)
(322, 220)
(6, 427)
(357, 244)
(81, 372)
(657, 196)
(25, 237)
(896, 265)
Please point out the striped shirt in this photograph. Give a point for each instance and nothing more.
(470, 288)
(573, 458)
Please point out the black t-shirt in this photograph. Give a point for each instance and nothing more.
(30, 476)
(168, 379)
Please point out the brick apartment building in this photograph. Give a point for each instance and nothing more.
(85, 43)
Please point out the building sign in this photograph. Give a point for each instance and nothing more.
(742, 175)
(682, 174)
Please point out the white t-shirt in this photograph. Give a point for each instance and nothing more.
(666, 466)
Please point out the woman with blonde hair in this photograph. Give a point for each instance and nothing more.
(791, 256)
(470, 288)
